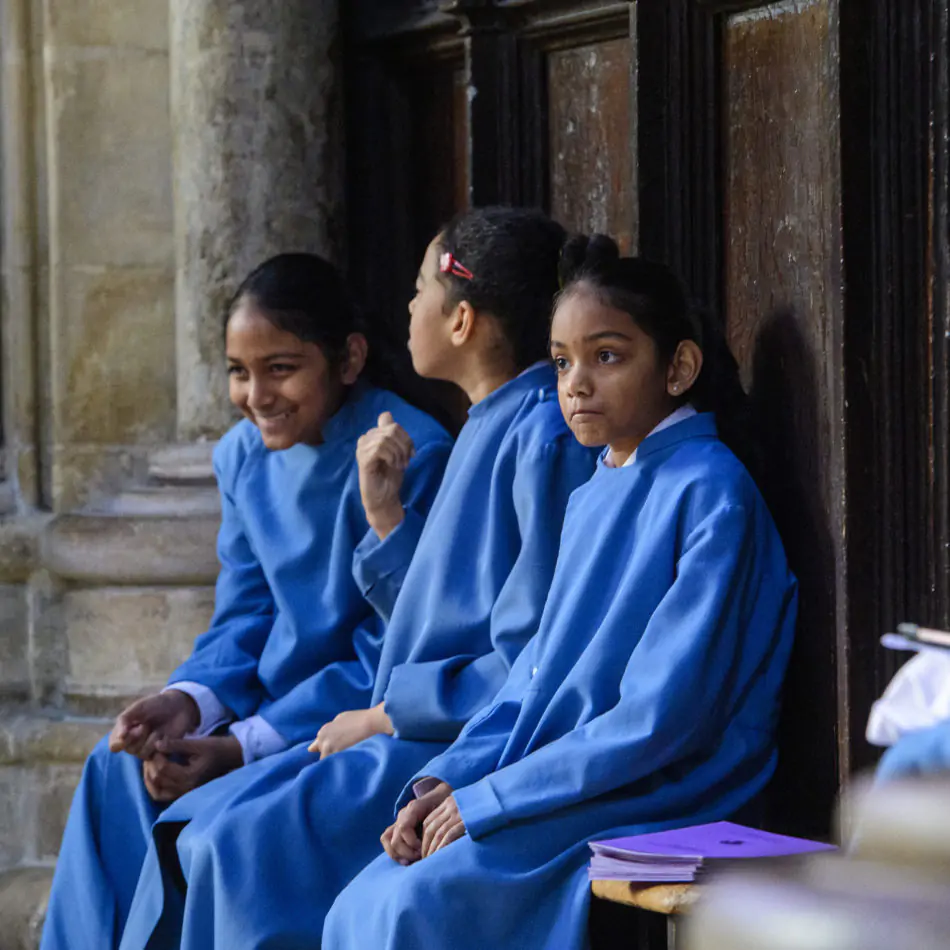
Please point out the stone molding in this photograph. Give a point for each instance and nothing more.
(138, 550)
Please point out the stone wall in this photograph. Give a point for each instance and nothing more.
(151, 153)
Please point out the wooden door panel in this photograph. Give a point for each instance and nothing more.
(783, 313)
(592, 178)
(781, 202)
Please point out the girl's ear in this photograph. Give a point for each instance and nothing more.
(462, 323)
(684, 368)
(357, 349)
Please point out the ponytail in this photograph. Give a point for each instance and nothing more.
(510, 261)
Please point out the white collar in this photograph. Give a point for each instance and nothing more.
(678, 415)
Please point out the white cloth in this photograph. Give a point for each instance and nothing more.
(257, 737)
(678, 415)
(918, 697)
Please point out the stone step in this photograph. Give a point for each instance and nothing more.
(28, 737)
(98, 549)
(24, 894)
(188, 464)
(160, 501)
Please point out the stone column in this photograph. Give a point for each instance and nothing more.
(258, 140)
(18, 258)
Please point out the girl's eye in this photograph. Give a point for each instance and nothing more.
(282, 368)
(560, 363)
(236, 371)
(607, 356)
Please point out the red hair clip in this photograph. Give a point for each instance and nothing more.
(449, 265)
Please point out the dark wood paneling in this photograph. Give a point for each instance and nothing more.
(872, 464)
(783, 312)
(407, 161)
(592, 164)
(678, 137)
(894, 140)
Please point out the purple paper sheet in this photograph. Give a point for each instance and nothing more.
(717, 841)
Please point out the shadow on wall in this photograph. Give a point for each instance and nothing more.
(791, 424)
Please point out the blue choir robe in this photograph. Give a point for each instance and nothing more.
(292, 639)
(647, 700)
(469, 601)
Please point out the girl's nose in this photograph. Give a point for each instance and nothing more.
(578, 381)
(259, 394)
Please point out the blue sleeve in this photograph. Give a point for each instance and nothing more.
(921, 752)
(479, 747)
(433, 700)
(225, 658)
(379, 566)
(686, 660)
(346, 684)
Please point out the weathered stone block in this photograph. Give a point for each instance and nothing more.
(81, 473)
(34, 739)
(115, 357)
(124, 640)
(14, 640)
(24, 895)
(131, 24)
(111, 159)
(34, 805)
(18, 544)
(14, 816)
(51, 794)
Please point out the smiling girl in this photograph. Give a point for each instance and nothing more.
(292, 640)
(649, 696)
(263, 869)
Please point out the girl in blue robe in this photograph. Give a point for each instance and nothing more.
(648, 698)
(292, 640)
(263, 869)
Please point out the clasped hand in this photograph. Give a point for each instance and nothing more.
(180, 765)
(436, 815)
(153, 730)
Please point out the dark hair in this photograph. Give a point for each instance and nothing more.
(657, 301)
(512, 254)
(305, 295)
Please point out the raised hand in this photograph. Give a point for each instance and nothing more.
(401, 841)
(180, 765)
(168, 715)
(383, 455)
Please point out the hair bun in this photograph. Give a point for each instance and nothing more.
(586, 254)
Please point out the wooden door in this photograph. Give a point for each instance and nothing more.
(790, 160)
(471, 103)
(793, 166)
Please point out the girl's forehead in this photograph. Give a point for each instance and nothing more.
(582, 306)
(250, 334)
(430, 263)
